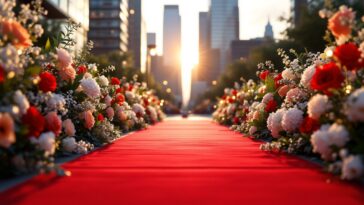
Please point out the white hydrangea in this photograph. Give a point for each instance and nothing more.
(352, 167)
(90, 87)
(339, 135)
(47, 142)
(318, 105)
(307, 76)
(355, 106)
(320, 141)
(274, 122)
(129, 95)
(153, 113)
(292, 119)
(288, 74)
(21, 100)
(56, 102)
(231, 109)
(69, 144)
(103, 81)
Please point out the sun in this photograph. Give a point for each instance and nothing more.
(189, 59)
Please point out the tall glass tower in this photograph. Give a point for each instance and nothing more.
(224, 27)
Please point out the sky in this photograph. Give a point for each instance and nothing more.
(254, 15)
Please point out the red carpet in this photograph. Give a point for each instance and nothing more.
(186, 162)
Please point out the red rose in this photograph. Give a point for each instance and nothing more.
(277, 80)
(53, 123)
(234, 92)
(118, 90)
(309, 125)
(100, 117)
(223, 97)
(119, 99)
(230, 100)
(146, 102)
(2, 75)
(349, 56)
(326, 77)
(81, 69)
(47, 82)
(236, 120)
(115, 81)
(271, 106)
(263, 75)
(34, 121)
(130, 87)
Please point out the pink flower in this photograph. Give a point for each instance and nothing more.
(7, 135)
(110, 112)
(295, 95)
(89, 119)
(122, 116)
(340, 24)
(107, 100)
(64, 58)
(283, 90)
(69, 128)
(17, 33)
(53, 123)
(68, 74)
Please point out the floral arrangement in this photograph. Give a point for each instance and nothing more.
(315, 106)
(53, 103)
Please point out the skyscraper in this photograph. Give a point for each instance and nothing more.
(268, 33)
(137, 44)
(109, 25)
(172, 47)
(224, 27)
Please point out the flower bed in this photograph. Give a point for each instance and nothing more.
(315, 106)
(53, 103)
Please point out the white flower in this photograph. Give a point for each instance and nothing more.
(355, 106)
(47, 142)
(64, 58)
(339, 136)
(231, 109)
(138, 109)
(129, 95)
(307, 76)
(152, 113)
(274, 122)
(320, 141)
(267, 97)
(352, 167)
(103, 81)
(252, 130)
(69, 144)
(92, 67)
(21, 100)
(56, 102)
(288, 74)
(292, 119)
(38, 30)
(90, 87)
(318, 105)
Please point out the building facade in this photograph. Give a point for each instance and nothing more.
(78, 11)
(109, 25)
(172, 48)
(224, 27)
(137, 44)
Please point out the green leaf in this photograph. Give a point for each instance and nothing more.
(269, 83)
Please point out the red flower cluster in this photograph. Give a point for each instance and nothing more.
(234, 92)
(271, 106)
(2, 75)
(263, 75)
(115, 81)
(34, 121)
(349, 56)
(236, 120)
(100, 117)
(326, 77)
(277, 80)
(119, 99)
(309, 125)
(47, 82)
(81, 69)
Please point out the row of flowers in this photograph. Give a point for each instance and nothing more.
(53, 103)
(315, 106)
